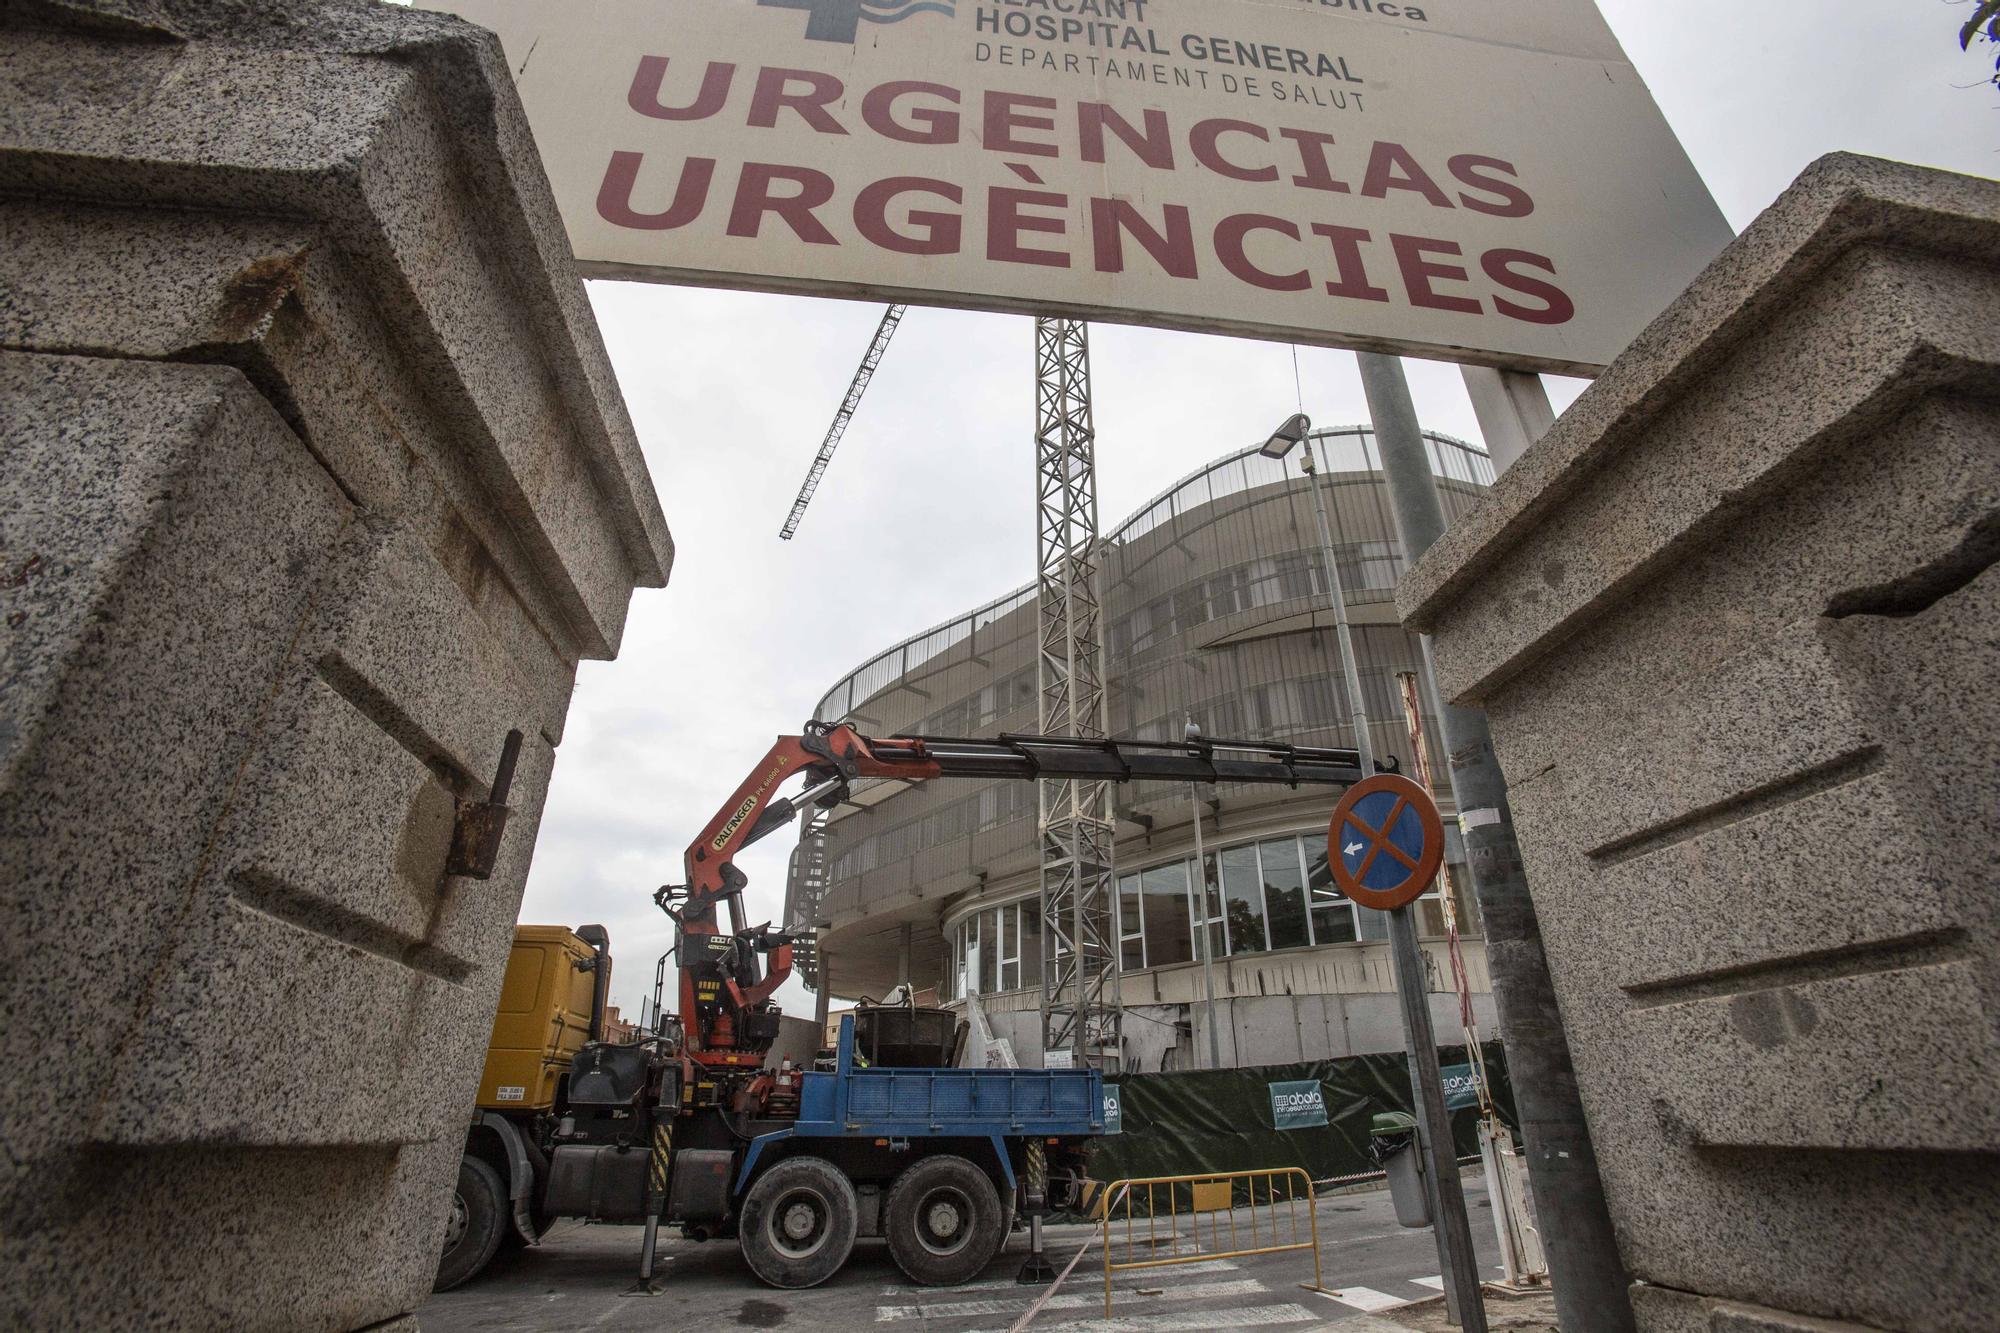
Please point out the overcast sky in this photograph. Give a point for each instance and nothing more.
(927, 510)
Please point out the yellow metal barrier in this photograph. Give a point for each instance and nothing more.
(1272, 1227)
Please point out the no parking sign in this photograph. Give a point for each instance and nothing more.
(1386, 842)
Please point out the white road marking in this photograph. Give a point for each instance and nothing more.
(1194, 1321)
(1081, 1300)
(1435, 1283)
(1364, 1298)
(1009, 1284)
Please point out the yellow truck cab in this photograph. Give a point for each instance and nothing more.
(546, 1009)
(552, 1001)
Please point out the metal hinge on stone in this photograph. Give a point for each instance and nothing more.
(475, 838)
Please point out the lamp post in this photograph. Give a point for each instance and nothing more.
(1191, 733)
(1441, 1183)
(1283, 440)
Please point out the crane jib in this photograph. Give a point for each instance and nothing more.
(1058, 757)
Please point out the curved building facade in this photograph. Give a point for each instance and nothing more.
(1215, 609)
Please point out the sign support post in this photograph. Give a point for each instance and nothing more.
(1447, 1192)
(1513, 410)
(1584, 1266)
(1384, 847)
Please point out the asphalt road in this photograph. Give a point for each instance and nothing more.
(582, 1277)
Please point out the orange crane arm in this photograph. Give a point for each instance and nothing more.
(833, 755)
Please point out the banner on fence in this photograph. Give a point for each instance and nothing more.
(1297, 1105)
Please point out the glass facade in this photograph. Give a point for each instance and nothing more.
(1274, 893)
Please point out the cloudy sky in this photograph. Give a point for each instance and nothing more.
(927, 510)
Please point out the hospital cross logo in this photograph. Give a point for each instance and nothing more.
(841, 20)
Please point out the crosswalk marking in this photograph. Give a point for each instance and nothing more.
(1364, 1298)
(1434, 1283)
(1194, 1321)
(1009, 1284)
(1193, 1291)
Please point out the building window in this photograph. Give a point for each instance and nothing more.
(1031, 941)
(1003, 944)
(1243, 899)
(1209, 911)
(1131, 925)
(1010, 946)
(1164, 894)
(1284, 893)
(1332, 912)
(1273, 894)
(967, 951)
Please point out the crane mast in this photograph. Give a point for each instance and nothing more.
(1080, 1005)
(862, 374)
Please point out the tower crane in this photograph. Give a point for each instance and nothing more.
(1080, 1006)
(862, 374)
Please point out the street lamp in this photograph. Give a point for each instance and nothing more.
(1284, 437)
(1292, 433)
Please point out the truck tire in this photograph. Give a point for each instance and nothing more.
(798, 1223)
(944, 1221)
(479, 1214)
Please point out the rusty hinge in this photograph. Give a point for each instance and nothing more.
(475, 838)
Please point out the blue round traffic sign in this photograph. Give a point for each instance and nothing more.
(1385, 842)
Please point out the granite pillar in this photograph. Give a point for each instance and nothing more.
(1736, 623)
(314, 484)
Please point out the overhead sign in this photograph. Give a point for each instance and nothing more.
(1300, 1104)
(1385, 842)
(1488, 182)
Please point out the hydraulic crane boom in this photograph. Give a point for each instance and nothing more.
(725, 1006)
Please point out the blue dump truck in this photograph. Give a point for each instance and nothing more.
(885, 1140)
(939, 1161)
(698, 1124)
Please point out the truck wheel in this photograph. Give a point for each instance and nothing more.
(944, 1221)
(798, 1222)
(478, 1216)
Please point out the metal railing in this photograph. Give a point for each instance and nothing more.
(1273, 1226)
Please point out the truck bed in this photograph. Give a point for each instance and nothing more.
(993, 1104)
(903, 1103)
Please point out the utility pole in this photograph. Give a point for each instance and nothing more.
(1445, 1192)
(1584, 1268)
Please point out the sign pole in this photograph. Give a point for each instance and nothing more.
(1385, 845)
(1446, 1191)
(1513, 410)
(1584, 1265)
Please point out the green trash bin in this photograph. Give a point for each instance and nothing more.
(1393, 1144)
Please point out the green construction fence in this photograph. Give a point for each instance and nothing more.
(1193, 1121)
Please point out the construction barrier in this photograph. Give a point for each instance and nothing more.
(1273, 1227)
(1223, 1120)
